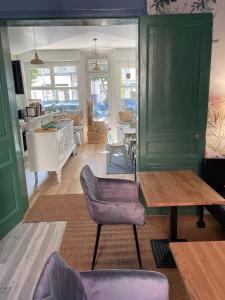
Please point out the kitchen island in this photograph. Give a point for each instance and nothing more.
(50, 146)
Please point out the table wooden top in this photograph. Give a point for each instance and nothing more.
(201, 266)
(176, 188)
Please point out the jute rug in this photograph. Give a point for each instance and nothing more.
(117, 247)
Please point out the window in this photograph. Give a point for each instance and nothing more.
(55, 84)
(128, 89)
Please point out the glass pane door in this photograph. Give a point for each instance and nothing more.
(128, 89)
(99, 96)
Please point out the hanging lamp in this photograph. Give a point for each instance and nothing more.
(96, 66)
(36, 60)
(128, 75)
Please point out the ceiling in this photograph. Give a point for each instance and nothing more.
(72, 37)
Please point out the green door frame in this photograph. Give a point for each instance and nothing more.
(13, 190)
(7, 77)
(9, 80)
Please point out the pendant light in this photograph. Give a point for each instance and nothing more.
(128, 75)
(96, 66)
(36, 60)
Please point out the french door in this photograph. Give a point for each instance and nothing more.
(99, 95)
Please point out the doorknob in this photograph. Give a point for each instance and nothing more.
(196, 136)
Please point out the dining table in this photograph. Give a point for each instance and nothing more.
(201, 266)
(173, 189)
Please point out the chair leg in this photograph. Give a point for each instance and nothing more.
(96, 245)
(137, 245)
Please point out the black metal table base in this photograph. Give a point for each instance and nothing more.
(200, 222)
(162, 254)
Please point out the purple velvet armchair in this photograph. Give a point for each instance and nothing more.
(112, 201)
(59, 282)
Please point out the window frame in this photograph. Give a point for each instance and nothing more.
(52, 86)
(123, 85)
(101, 55)
(119, 65)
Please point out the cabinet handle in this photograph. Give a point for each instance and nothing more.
(196, 136)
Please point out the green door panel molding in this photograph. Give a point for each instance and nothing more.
(13, 192)
(175, 53)
(174, 71)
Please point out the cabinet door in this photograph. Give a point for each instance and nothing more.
(174, 56)
(60, 140)
(67, 140)
(13, 193)
(71, 141)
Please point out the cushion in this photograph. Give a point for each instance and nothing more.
(125, 285)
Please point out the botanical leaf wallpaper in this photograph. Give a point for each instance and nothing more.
(181, 6)
(215, 134)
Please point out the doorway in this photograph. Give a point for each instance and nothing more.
(67, 80)
(164, 143)
(98, 87)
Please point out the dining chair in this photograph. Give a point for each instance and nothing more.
(59, 282)
(111, 202)
(115, 147)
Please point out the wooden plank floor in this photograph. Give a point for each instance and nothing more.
(25, 249)
(91, 154)
(23, 253)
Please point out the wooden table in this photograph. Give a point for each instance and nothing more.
(201, 266)
(173, 189)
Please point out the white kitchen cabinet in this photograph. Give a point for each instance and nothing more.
(49, 150)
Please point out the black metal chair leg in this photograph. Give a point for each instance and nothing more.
(96, 245)
(137, 245)
(200, 222)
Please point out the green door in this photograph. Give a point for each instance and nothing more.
(13, 193)
(175, 52)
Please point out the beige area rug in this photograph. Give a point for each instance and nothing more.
(117, 247)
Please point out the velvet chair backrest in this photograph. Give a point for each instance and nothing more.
(59, 282)
(89, 185)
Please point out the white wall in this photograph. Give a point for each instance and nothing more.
(51, 55)
(73, 55)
